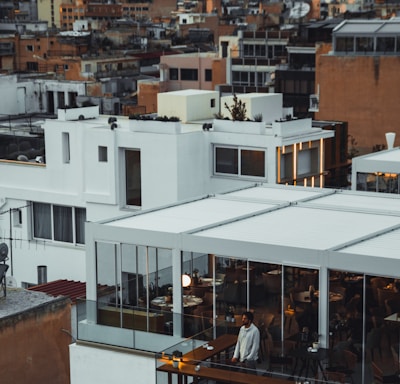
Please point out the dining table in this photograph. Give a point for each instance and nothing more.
(188, 301)
(309, 361)
(232, 324)
(306, 297)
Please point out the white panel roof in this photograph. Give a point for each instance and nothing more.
(318, 219)
(391, 155)
(278, 193)
(388, 204)
(386, 245)
(186, 217)
(303, 227)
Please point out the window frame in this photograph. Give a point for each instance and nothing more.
(77, 239)
(239, 162)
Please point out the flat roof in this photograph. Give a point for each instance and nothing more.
(308, 218)
(386, 155)
(391, 26)
(20, 300)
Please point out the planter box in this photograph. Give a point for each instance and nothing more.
(155, 126)
(248, 127)
(81, 113)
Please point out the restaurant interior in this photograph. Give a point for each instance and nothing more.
(362, 319)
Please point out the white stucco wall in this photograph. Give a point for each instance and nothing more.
(188, 104)
(90, 365)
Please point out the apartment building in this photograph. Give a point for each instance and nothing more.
(93, 168)
(357, 80)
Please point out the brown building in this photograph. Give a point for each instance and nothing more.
(358, 81)
(35, 335)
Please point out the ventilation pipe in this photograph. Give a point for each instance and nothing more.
(42, 274)
(390, 136)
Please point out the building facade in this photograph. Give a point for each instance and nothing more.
(364, 91)
(94, 167)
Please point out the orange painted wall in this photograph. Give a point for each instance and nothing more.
(147, 95)
(35, 350)
(362, 90)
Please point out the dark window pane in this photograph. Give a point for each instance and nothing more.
(226, 160)
(62, 217)
(252, 163)
(42, 220)
(133, 178)
(189, 74)
(80, 218)
(208, 74)
(173, 74)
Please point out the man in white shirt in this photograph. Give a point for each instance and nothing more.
(248, 343)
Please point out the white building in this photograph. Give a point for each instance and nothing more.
(96, 168)
(341, 243)
(377, 171)
(21, 94)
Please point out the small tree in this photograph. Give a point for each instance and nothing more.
(237, 109)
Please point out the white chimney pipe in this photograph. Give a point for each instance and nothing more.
(390, 136)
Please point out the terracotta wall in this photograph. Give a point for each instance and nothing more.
(34, 347)
(362, 90)
(147, 96)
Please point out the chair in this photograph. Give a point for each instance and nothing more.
(381, 378)
(272, 285)
(373, 342)
(289, 312)
(395, 356)
(263, 324)
(208, 298)
(231, 293)
(197, 291)
(206, 325)
(334, 377)
(349, 367)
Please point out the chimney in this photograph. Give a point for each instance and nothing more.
(390, 136)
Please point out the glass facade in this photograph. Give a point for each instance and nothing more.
(358, 313)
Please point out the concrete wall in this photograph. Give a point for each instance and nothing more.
(188, 105)
(269, 105)
(105, 366)
(35, 349)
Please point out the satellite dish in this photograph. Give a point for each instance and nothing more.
(3, 252)
(11, 282)
(299, 10)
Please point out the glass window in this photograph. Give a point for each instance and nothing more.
(208, 75)
(364, 44)
(80, 219)
(59, 223)
(133, 283)
(62, 217)
(103, 157)
(226, 160)
(65, 147)
(42, 221)
(173, 74)
(307, 161)
(238, 161)
(344, 44)
(133, 178)
(189, 74)
(385, 44)
(252, 163)
(287, 166)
